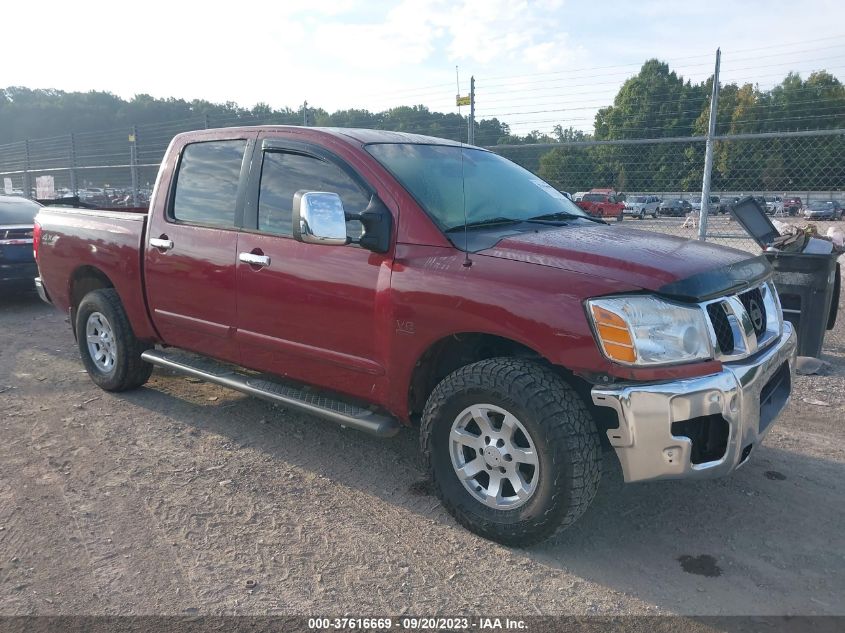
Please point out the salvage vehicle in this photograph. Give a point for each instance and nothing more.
(675, 207)
(382, 279)
(793, 205)
(17, 263)
(715, 207)
(823, 210)
(602, 203)
(641, 206)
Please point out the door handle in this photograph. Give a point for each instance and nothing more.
(161, 243)
(254, 260)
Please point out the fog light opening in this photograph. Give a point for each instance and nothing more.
(708, 434)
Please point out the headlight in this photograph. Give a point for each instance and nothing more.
(645, 330)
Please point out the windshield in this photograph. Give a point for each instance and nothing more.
(492, 186)
(696, 199)
(639, 199)
(820, 206)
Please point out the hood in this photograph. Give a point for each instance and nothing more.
(673, 266)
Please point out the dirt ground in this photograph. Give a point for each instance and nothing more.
(182, 497)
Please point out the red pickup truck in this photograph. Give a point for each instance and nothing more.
(381, 279)
(602, 203)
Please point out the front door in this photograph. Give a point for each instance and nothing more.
(307, 311)
(192, 246)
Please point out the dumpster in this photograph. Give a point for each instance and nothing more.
(807, 275)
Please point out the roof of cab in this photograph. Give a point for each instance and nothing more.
(365, 136)
(358, 136)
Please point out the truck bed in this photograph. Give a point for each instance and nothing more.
(111, 241)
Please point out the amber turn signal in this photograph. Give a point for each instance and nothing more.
(614, 335)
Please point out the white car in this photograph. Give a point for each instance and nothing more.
(641, 206)
(578, 195)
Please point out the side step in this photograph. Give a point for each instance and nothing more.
(290, 394)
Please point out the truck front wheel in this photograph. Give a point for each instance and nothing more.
(512, 450)
(108, 347)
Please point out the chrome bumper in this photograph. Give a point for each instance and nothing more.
(42, 292)
(644, 442)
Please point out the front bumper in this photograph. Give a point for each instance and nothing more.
(745, 398)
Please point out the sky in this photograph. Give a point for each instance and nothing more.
(536, 62)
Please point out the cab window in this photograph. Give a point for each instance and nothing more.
(207, 183)
(283, 174)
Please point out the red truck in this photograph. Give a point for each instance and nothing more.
(603, 203)
(381, 280)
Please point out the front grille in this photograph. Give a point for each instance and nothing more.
(721, 326)
(753, 303)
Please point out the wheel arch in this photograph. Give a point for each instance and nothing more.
(457, 350)
(84, 279)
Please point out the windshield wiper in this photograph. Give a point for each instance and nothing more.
(563, 215)
(485, 222)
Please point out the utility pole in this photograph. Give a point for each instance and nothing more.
(74, 188)
(133, 163)
(471, 120)
(305, 114)
(27, 178)
(708, 153)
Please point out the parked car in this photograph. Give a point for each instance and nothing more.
(578, 195)
(823, 210)
(517, 332)
(641, 206)
(793, 205)
(774, 205)
(17, 263)
(713, 208)
(675, 207)
(602, 205)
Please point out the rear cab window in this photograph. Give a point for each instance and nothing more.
(207, 183)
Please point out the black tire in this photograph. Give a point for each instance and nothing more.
(620, 217)
(128, 370)
(562, 430)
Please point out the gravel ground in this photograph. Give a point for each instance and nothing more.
(182, 497)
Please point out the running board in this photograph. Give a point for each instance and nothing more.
(289, 394)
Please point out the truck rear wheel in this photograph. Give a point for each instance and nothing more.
(513, 452)
(108, 347)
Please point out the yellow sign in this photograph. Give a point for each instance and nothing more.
(131, 138)
(459, 100)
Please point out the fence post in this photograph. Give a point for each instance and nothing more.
(708, 153)
(205, 121)
(27, 179)
(74, 189)
(133, 163)
(471, 120)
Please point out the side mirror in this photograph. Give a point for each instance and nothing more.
(318, 218)
(377, 222)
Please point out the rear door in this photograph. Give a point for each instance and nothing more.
(309, 312)
(192, 246)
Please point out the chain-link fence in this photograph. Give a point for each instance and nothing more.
(789, 170)
(117, 168)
